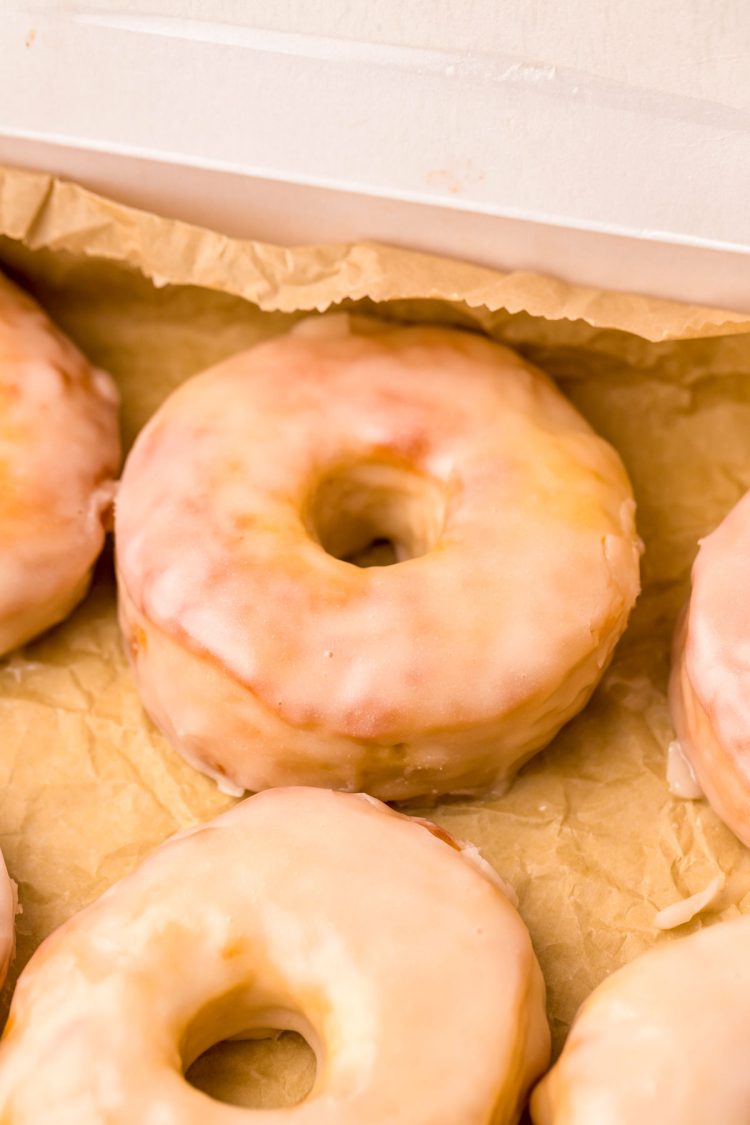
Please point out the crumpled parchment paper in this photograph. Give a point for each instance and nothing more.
(589, 835)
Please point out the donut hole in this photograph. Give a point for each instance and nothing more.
(243, 1049)
(376, 513)
(271, 1073)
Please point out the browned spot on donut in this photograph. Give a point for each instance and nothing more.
(232, 948)
(9, 1025)
(69, 377)
(441, 833)
(137, 640)
(406, 445)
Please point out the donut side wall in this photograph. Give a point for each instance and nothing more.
(222, 729)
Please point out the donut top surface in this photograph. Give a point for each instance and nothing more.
(407, 969)
(511, 520)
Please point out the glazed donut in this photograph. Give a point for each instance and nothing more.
(663, 1040)
(267, 658)
(709, 690)
(8, 908)
(396, 955)
(59, 452)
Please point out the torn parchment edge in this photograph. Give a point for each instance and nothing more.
(44, 212)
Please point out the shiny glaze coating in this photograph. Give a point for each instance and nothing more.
(393, 950)
(662, 1041)
(8, 908)
(59, 453)
(710, 682)
(267, 661)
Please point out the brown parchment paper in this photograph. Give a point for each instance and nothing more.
(589, 835)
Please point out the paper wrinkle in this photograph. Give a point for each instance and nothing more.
(66, 217)
(589, 836)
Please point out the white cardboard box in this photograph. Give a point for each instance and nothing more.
(603, 142)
